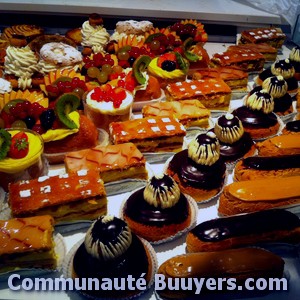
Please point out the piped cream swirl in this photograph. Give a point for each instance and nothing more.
(108, 250)
(232, 129)
(260, 100)
(162, 191)
(204, 149)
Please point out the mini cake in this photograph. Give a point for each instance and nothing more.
(284, 68)
(106, 104)
(114, 162)
(157, 211)
(188, 112)
(109, 251)
(286, 144)
(235, 143)
(277, 87)
(292, 127)
(259, 194)
(94, 35)
(213, 93)
(199, 170)
(294, 57)
(21, 156)
(274, 225)
(257, 115)
(27, 243)
(256, 167)
(168, 68)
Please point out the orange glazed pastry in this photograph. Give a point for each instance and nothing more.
(240, 264)
(259, 194)
(27, 243)
(213, 93)
(157, 211)
(149, 134)
(188, 112)
(114, 162)
(78, 196)
(287, 144)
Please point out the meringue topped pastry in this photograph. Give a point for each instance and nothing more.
(111, 250)
(159, 210)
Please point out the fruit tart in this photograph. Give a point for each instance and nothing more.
(20, 156)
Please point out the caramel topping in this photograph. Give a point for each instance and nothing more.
(209, 264)
(270, 189)
(260, 100)
(276, 86)
(107, 238)
(162, 191)
(229, 129)
(286, 141)
(283, 67)
(204, 149)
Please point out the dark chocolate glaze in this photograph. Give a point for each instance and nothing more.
(253, 223)
(238, 149)
(296, 65)
(272, 162)
(293, 126)
(265, 74)
(255, 119)
(195, 175)
(283, 103)
(108, 232)
(159, 184)
(283, 64)
(224, 122)
(133, 262)
(139, 210)
(275, 81)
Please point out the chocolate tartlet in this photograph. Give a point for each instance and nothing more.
(111, 250)
(157, 211)
(257, 115)
(284, 68)
(234, 142)
(199, 170)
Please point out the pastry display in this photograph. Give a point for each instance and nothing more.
(27, 243)
(243, 59)
(256, 167)
(294, 58)
(272, 36)
(199, 170)
(110, 250)
(213, 93)
(21, 156)
(283, 68)
(67, 197)
(234, 263)
(235, 143)
(106, 104)
(244, 230)
(150, 134)
(236, 79)
(279, 145)
(188, 112)
(259, 194)
(158, 211)
(114, 162)
(257, 115)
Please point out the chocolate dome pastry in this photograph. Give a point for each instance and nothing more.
(257, 115)
(111, 250)
(277, 87)
(199, 170)
(159, 210)
(294, 57)
(235, 143)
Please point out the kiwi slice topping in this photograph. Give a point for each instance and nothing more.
(62, 79)
(66, 104)
(188, 43)
(5, 142)
(183, 65)
(139, 66)
(151, 37)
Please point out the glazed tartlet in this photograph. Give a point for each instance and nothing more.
(111, 250)
(199, 170)
(31, 166)
(159, 211)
